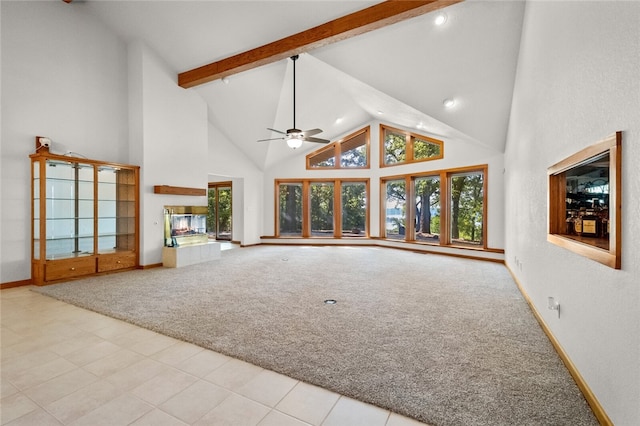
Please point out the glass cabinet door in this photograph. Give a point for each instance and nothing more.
(35, 213)
(116, 209)
(69, 209)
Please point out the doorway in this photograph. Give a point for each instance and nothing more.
(219, 215)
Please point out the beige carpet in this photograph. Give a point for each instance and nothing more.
(445, 340)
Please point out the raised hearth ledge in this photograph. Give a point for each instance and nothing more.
(490, 254)
(176, 257)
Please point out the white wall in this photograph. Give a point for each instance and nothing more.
(169, 140)
(227, 162)
(64, 76)
(577, 82)
(456, 154)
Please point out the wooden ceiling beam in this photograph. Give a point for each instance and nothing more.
(371, 18)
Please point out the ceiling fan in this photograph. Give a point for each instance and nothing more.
(293, 136)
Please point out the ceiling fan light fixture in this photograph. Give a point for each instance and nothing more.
(294, 142)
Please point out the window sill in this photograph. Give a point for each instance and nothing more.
(585, 249)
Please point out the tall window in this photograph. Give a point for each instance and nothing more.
(219, 213)
(401, 147)
(290, 209)
(448, 207)
(323, 208)
(427, 208)
(395, 209)
(321, 212)
(354, 209)
(350, 152)
(467, 208)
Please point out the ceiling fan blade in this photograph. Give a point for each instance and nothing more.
(312, 132)
(277, 131)
(317, 140)
(272, 139)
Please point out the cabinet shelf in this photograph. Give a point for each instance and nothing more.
(68, 256)
(70, 180)
(85, 217)
(116, 217)
(66, 237)
(70, 218)
(116, 234)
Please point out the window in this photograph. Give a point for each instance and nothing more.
(584, 202)
(321, 201)
(290, 209)
(427, 208)
(354, 209)
(401, 147)
(395, 209)
(467, 208)
(448, 207)
(324, 158)
(350, 152)
(323, 208)
(219, 213)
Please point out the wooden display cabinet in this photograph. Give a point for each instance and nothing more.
(85, 217)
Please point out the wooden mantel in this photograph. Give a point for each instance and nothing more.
(178, 190)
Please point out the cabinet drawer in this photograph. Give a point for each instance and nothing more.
(69, 268)
(113, 262)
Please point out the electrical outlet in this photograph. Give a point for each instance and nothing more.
(553, 305)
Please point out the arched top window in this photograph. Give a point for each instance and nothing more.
(402, 147)
(347, 153)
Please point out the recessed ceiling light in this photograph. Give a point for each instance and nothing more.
(441, 18)
(225, 80)
(380, 112)
(339, 120)
(420, 125)
(449, 103)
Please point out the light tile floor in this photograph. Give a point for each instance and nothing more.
(63, 365)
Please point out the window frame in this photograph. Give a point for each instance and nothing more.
(445, 176)
(409, 150)
(307, 216)
(336, 147)
(557, 206)
(306, 206)
(217, 186)
(279, 182)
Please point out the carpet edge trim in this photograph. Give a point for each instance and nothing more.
(592, 400)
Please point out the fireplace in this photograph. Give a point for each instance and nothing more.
(185, 225)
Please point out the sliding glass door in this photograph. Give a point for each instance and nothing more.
(219, 216)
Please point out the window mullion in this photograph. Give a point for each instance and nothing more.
(306, 209)
(445, 209)
(337, 208)
(409, 148)
(410, 214)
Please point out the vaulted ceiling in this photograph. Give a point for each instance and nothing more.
(399, 74)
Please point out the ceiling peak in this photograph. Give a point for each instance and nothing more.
(362, 21)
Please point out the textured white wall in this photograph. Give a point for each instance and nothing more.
(64, 75)
(578, 82)
(170, 124)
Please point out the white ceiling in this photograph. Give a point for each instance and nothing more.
(405, 70)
